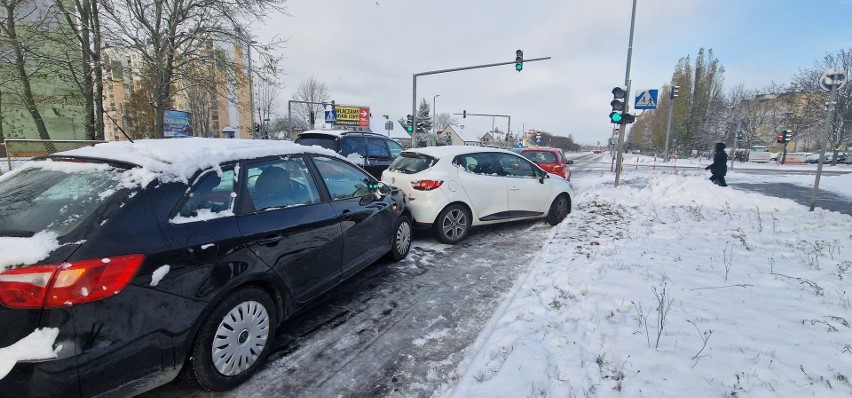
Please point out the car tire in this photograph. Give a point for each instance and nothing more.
(232, 342)
(401, 239)
(452, 225)
(559, 209)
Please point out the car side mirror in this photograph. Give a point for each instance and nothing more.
(542, 176)
(383, 189)
(570, 162)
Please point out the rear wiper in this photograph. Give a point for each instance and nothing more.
(16, 233)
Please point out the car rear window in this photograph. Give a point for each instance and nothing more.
(540, 156)
(57, 197)
(325, 142)
(410, 163)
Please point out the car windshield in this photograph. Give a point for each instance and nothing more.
(410, 163)
(52, 198)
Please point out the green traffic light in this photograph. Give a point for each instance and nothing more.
(519, 66)
(409, 129)
(615, 117)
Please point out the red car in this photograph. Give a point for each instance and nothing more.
(552, 160)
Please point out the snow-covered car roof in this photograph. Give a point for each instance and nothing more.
(453, 150)
(177, 159)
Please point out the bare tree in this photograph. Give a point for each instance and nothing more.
(267, 101)
(814, 99)
(84, 67)
(442, 120)
(311, 90)
(169, 34)
(22, 32)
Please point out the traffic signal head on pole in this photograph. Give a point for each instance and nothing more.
(788, 135)
(464, 114)
(615, 117)
(780, 139)
(408, 125)
(675, 92)
(617, 103)
(519, 60)
(618, 94)
(256, 127)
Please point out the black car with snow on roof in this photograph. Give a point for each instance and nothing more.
(125, 264)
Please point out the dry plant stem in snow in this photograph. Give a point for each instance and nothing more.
(705, 337)
(728, 259)
(664, 304)
(642, 319)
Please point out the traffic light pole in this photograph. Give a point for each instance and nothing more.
(668, 127)
(627, 97)
(435, 72)
(823, 141)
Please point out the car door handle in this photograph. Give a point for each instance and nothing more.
(346, 215)
(270, 240)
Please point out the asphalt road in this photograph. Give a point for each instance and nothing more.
(395, 329)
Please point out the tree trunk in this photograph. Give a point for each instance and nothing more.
(29, 101)
(97, 58)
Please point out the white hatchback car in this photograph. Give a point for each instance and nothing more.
(453, 188)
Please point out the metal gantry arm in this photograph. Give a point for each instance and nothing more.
(435, 72)
(290, 118)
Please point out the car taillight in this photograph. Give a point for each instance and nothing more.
(426, 185)
(77, 282)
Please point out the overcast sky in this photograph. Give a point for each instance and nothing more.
(366, 52)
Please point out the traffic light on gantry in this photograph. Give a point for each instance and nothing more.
(617, 104)
(519, 60)
(675, 92)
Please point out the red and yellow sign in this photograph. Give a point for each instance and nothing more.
(352, 116)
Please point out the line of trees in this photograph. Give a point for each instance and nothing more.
(704, 113)
(44, 40)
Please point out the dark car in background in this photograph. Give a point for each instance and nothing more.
(372, 151)
(176, 257)
(552, 160)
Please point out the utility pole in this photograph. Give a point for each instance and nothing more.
(623, 128)
(832, 79)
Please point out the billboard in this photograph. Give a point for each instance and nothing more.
(352, 115)
(177, 123)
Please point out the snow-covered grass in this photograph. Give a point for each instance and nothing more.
(678, 288)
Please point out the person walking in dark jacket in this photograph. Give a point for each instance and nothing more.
(719, 167)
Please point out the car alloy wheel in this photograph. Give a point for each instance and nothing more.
(452, 224)
(232, 341)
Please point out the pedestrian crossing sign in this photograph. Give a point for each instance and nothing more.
(647, 99)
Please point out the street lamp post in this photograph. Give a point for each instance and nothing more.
(434, 114)
(249, 42)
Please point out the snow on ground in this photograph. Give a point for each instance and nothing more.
(678, 288)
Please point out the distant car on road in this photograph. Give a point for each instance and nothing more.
(552, 160)
(454, 188)
(146, 260)
(372, 151)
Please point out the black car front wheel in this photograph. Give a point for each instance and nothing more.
(401, 240)
(452, 225)
(233, 341)
(559, 209)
